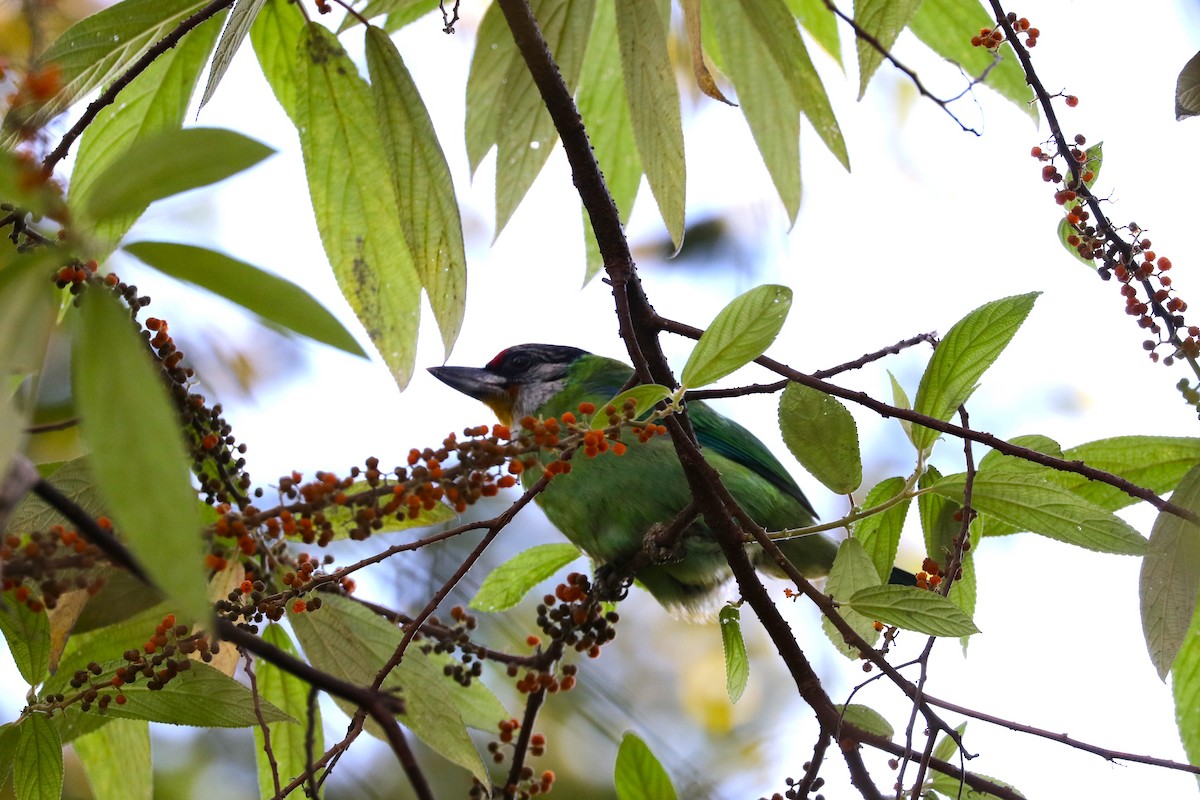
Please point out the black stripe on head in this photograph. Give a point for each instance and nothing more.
(533, 361)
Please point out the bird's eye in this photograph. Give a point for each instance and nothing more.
(520, 362)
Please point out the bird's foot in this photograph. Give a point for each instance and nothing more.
(657, 551)
(609, 583)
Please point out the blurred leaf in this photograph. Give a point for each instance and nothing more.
(98, 48)
(492, 63)
(399, 13)
(822, 435)
(27, 312)
(168, 162)
(62, 620)
(128, 419)
(653, 98)
(821, 23)
(645, 396)
(507, 584)
(28, 636)
(1187, 89)
(156, 101)
(423, 186)
(116, 759)
(10, 734)
(638, 775)
(956, 789)
(357, 213)
(1029, 501)
(273, 298)
(739, 334)
(882, 19)
(880, 533)
(913, 609)
(852, 571)
(240, 19)
(867, 719)
(605, 111)
(1170, 577)
(352, 643)
(525, 134)
(962, 357)
(945, 27)
(38, 760)
(290, 695)
(737, 663)
(200, 696)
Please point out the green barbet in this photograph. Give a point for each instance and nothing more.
(607, 504)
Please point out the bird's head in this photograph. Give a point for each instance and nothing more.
(518, 381)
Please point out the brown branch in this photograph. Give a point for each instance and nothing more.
(778, 386)
(994, 442)
(262, 722)
(107, 97)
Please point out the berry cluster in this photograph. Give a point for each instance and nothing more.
(529, 785)
(458, 637)
(793, 790)
(992, 38)
(41, 566)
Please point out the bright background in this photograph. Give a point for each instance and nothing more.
(931, 223)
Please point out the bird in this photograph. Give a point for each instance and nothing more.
(606, 505)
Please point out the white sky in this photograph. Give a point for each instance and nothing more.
(931, 223)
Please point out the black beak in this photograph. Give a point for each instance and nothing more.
(473, 382)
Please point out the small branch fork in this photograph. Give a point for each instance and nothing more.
(639, 326)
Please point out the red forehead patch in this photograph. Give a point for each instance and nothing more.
(495, 362)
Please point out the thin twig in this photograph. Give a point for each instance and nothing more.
(107, 97)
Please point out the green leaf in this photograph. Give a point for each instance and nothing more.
(352, 643)
(240, 20)
(777, 31)
(98, 48)
(27, 312)
(882, 19)
(851, 572)
(1029, 501)
(290, 695)
(947, 748)
(1187, 89)
(201, 696)
(880, 533)
(168, 162)
(1185, 687)
(10, 734)
(1170, 577)
(38, 761)
(344, 522)
(28, 636)
(423, 186)
(963, 355)
(116, 759)
(771, 108)
(945, 26)
(867, 719)
(355, 205)
(270, 297)
(507, 584)
(900, 400)
(955, 788)
(938, 523)
(737, 663)
(399, 13)
(638, 775)
(653, 98)
(492, 64)
(644, 396)
(128, 419)
(1067, 230)
(525, 134)
(275, 35)
(156, 101)
(994, 459)
(601, 101)
(913, 609)
(822, 435)
(1155, 462)
(821, 23)
(739, 334)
